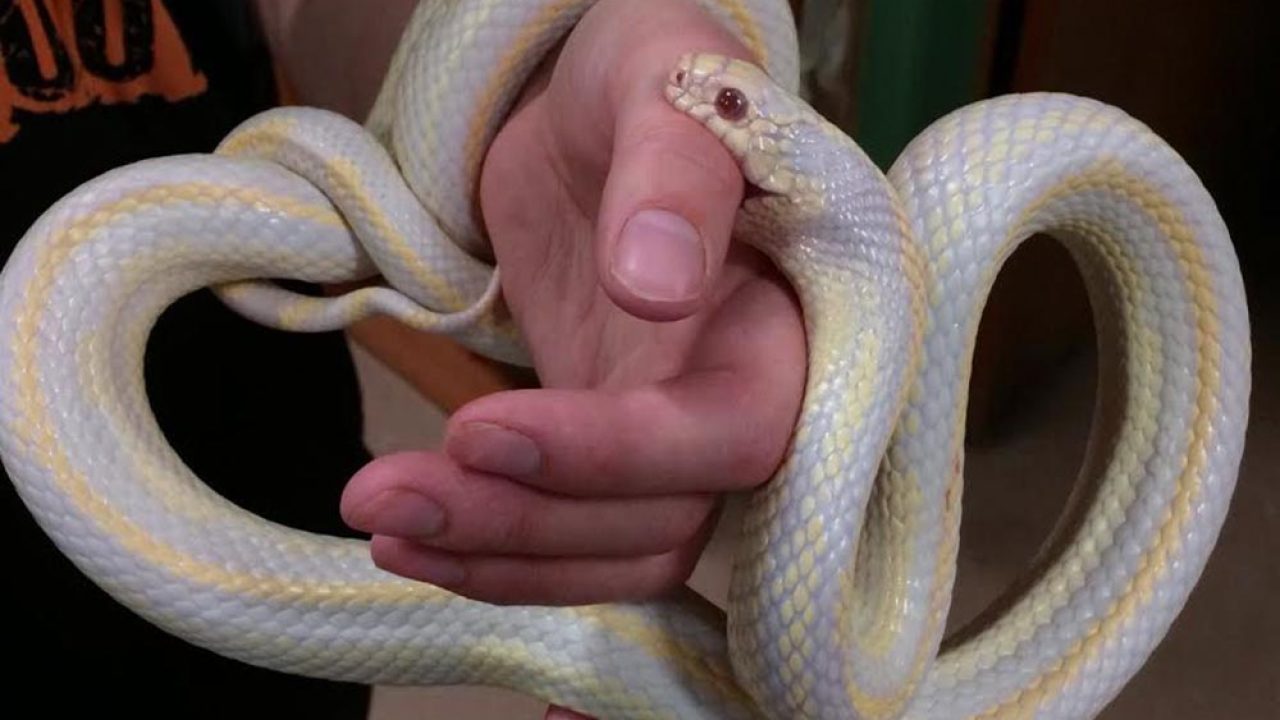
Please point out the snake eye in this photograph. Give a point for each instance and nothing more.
(731, 104)
(679, 77)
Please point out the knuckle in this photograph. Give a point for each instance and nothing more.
(668, 574)
(754, 462)
(685, 525)
(670, 583)
(501, 586)
(515, 531)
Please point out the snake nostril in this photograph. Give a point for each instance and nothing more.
(679, 77)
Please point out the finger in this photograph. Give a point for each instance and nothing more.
(667, 212)
(427, 498)
(722, 425)
(671, 190)
(519, 580)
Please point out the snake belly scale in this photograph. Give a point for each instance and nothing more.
(840, 593)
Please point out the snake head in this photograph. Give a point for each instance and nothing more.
(759, 122)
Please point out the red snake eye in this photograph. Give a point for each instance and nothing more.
(731, 104)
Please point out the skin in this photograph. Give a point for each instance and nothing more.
(672, 369)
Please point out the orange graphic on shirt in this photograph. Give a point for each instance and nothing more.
(62, 55)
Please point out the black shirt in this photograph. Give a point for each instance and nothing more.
(270, 420)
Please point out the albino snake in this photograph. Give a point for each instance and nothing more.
(844, 578)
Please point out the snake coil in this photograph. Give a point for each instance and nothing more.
(843, 582)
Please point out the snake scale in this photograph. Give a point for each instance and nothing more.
(842, 585)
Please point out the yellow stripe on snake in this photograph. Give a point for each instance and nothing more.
(842, 586)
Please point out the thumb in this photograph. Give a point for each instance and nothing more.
(667, 209)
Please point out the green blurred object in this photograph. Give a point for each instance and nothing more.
(916, 61)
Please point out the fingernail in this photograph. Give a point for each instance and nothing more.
(404, 514)
(438, 569)
(495, 449)
(660, 257)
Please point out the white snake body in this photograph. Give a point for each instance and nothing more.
(840, 594)
(1161, 467)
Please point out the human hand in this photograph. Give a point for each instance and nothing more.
(672, 362)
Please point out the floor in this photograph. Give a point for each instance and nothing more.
(1222, 657)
